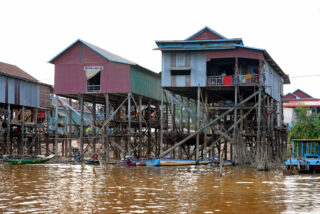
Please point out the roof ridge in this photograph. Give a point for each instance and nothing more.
(202, 30)
(15, 71)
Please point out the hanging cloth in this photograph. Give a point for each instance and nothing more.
(91, 73)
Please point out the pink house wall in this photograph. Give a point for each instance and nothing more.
(70, 76)
(239, 52)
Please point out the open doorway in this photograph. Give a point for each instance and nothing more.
(93, 75)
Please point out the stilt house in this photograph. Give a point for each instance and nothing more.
(91, 74)
(220, 73)
(23, 100)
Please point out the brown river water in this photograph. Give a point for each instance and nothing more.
(64, 188)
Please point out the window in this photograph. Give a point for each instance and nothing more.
(93, 74)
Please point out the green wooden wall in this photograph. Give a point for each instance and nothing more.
(145, 83)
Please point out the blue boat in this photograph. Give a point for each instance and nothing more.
(176, 162)
(305, 157)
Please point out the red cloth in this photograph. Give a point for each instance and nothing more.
(227, 80)
(41, 114)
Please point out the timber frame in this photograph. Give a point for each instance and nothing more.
(246, 131)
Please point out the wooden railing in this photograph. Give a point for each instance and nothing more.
(248, 79)
(93, 88)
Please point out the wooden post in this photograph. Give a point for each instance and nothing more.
(234, 146)
(81, 126)
(140, 127)
(198, 125)
(149, 129)
(106, 138)
(9, 130)
(47, 136)
(37, 136)
(205, 131)
(22, 131)
(161, 122)
(56, 130)
(94, 118)
(259, 122)
(173, 115)
(69, 129)
(129, 112)
(188, 122)
(167, 116)
(180, 128)
(181, 117)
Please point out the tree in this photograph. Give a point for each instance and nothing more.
(307, 125)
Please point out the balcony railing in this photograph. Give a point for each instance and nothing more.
(93, 88)
(247, 79)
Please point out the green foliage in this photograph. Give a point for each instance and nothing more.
(307, 125)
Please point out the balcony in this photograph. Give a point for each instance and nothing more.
(93, 88)
(247, 79)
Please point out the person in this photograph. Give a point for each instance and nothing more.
(95, 157)
(223, 73)
(76, 156)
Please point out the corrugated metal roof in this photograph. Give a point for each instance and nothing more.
(15, 71)
(106, 54)
(310, 103)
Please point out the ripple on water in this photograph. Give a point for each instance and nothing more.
(199, 189)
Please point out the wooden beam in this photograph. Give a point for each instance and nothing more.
(56, 130)
(106, 134)
(198, 125)
(161, 121)
(208, 124)
(9, 129)
(81, 125)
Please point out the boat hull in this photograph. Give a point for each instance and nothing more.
(30, 160)
(175, 162)
(140, 162)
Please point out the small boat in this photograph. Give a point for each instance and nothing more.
(127, 163)
(140, 162)
(225, 163)
(93, 162)
(176, 162)
(30, 160)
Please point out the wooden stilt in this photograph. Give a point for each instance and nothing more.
(47, 112)
(9, 129)
(140, 128)
(56, 129)
(106, 137)
(234, 146)
(69, 116)
(198, 125)
(149, 130)
(205, 131)
(94, 118)
(188, 122)
(81, 125)
(161, 122)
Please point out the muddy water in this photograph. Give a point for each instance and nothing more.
(94, 189)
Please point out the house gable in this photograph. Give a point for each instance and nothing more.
(206, 34)
(302, 94)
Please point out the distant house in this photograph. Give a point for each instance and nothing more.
(295, 99)
(23, 100)
(17, 87)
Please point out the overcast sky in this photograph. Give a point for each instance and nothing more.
(33, 32)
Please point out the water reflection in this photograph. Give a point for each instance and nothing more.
(94, 189)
